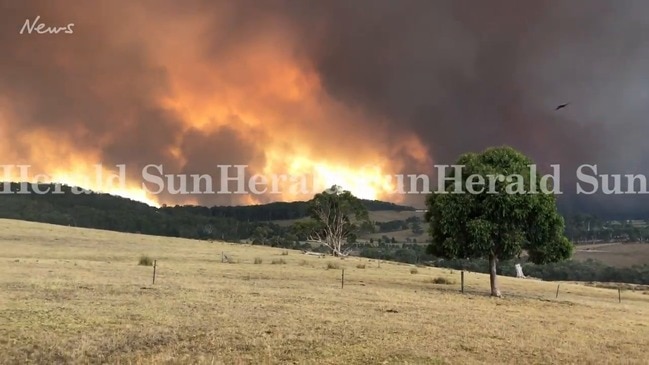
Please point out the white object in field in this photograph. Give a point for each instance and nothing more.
(519, 271)
(313, 253)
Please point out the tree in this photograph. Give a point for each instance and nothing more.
(416, 228)
(367, 227)
(338, 215)
(261, 235)
(497, 221)
(303, 229)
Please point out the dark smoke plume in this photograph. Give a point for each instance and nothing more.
(459, 75)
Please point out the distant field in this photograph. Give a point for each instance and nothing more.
(615, 254)
(71, 295)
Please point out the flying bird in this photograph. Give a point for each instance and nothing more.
(562, 106)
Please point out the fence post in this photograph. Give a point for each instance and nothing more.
(155, 262)
(462, 281)
(342, 280)
(557, 296)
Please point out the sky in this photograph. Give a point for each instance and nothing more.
(351, 91)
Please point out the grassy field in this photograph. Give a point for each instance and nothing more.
(615, 254)
(71, 295)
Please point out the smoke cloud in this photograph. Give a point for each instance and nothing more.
(335, 86)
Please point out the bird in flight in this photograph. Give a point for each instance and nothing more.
(562, 106)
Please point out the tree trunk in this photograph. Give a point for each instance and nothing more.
(493, 276)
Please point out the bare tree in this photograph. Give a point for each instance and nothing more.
(338, 215)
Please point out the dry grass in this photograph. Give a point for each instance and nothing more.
(615, 254)
(70, 295)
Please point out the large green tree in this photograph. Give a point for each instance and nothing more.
(338, 216)
(498, 219)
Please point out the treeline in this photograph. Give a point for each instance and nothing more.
(413, 223)
(103, 211)
(115, 213)
(582, 228)
(571, 270)
(279, 210)
(579, 229)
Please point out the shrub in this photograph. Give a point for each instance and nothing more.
(145, 261)
(360, 266)
(284, 253)
(258, 261)
(333, 266)
(278, 262)
(414, 270)
(442, 280)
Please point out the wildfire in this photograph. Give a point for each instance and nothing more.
(256, 102)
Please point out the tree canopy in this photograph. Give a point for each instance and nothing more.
(499, 219)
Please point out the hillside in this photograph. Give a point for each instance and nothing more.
(116, 213)
(398, 233)
(79, 295)
(104, 211)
